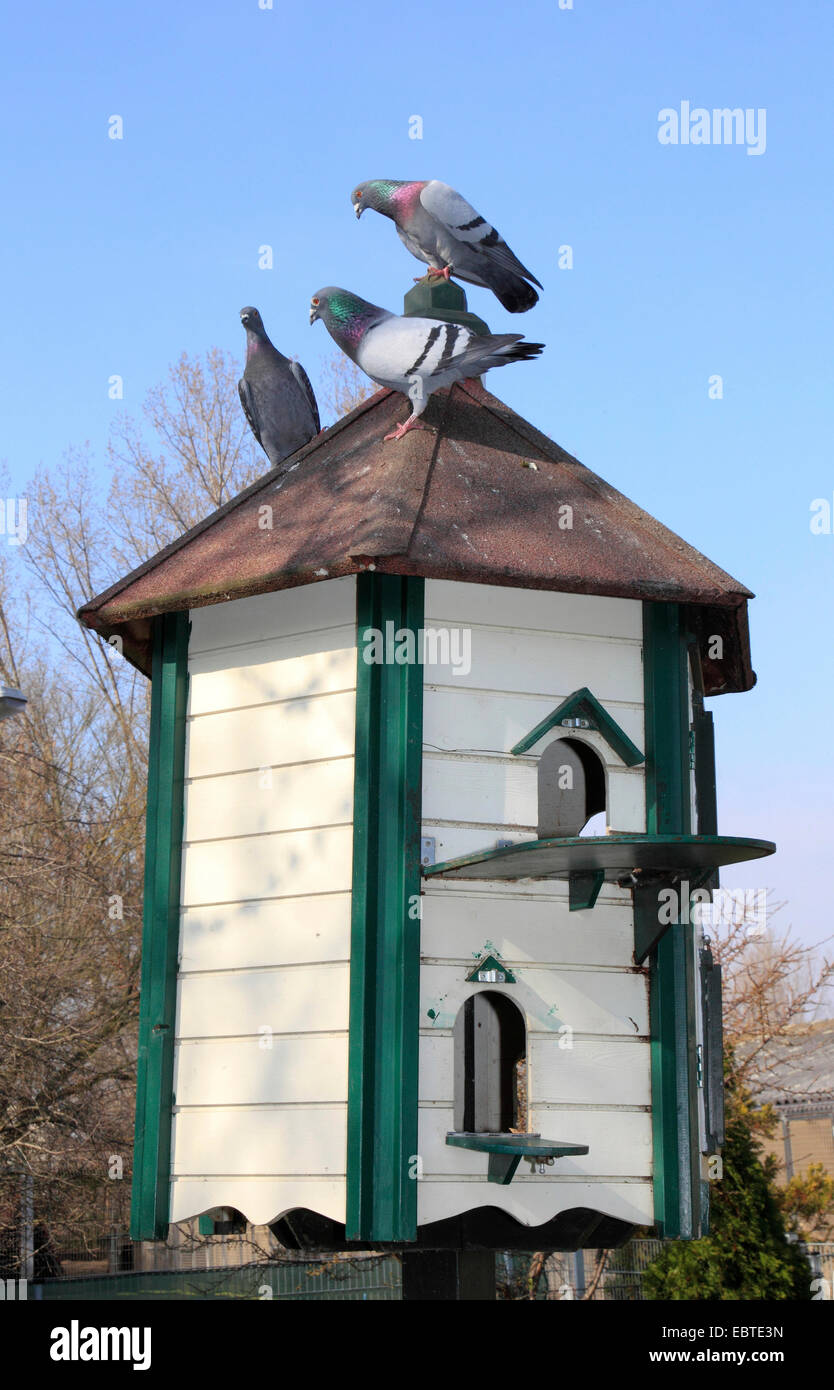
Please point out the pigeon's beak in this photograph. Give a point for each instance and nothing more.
(314, 313)
(359, 209)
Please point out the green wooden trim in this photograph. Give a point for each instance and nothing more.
(160, 929)
(665, 674)
(706, 801)
(507, 1150)
(582, 704)
(441, 299)
(706, 813)
(672, 986)
(616, 855)
(583, 889)
(385, 926)
(490, 963)
(648, 926)
(713, 1084)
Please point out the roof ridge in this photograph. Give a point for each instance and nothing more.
(526, 431)
(452, 502)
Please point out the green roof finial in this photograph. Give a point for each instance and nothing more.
(436, 298)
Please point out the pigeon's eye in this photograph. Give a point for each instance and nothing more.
(358, 193)
(314, 302)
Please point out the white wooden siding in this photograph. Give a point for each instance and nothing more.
(295, 864)
(535, 1200)
(260, 1078)
(295, 1140)
(607, 1003)
(619, 1145)
(269, 800)
(297, 730)
(534, 663)
(280, 931)
(585, 1005)
(502, 718)
(256, 1196)
(286, 999)
(605, 1073)
(309, 608)
(318, 663)
(534, 609)
(473, 790)
(464, 921)
(263, 1070)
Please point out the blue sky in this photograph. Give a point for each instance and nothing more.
(246, 126)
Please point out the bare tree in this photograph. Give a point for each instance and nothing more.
(771, 982)
(74, 770)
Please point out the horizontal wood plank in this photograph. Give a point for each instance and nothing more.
(589, 1072)
(458, 719)
(261, 1200)
(248, 1071)
(532, 1201)
(267, 735)
(533, 608)
(282, 668)
(539, 663)
(270, 799)
(299, 999)
(303, 609)
(473, 790)
(465, 926)
(297, 1141)
(291, 931)
(607, 1003)
(619, 1144)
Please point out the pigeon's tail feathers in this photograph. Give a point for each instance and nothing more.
(524, 351)
(514, 293)
(496, 350)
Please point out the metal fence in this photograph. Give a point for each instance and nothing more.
(212, 1270)
(821, 1259)
(85, 1252)
(586, 1275)
(357, 1279)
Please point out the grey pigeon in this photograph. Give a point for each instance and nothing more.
(276, 394)
(439, 227)
(414, 355)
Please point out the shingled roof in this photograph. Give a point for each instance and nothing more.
(476, 497)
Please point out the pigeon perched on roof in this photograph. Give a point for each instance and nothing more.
(276, 395)
(414, 355)
(439, 227)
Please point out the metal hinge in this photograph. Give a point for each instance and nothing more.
(428, 850)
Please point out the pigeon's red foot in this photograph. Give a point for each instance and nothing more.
(409, 424)
(434, 274)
